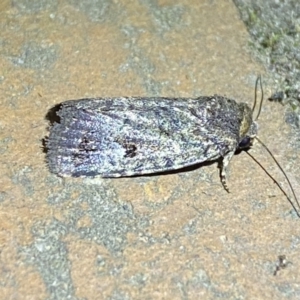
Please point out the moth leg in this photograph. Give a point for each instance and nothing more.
(225, 163)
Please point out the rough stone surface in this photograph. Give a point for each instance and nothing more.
(175, 236)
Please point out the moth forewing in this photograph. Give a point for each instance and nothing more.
(126, 136)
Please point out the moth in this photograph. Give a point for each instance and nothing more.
(127, 136)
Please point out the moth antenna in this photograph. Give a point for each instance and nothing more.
(255, 96)
(275, 181)
(261, 98)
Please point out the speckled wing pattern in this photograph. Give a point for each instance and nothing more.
(127, 136)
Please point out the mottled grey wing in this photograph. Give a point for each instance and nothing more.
(114, 137)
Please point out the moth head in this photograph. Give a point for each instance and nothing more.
(248, 128)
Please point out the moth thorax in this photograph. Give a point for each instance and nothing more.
(248, 127)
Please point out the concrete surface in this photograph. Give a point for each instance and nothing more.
(175, 236)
